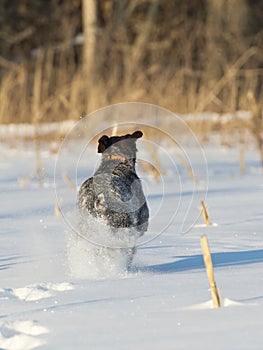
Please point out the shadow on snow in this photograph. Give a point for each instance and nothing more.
(195, 262)
(6, 263)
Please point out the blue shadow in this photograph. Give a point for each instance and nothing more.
(6, 263)
(195, 262)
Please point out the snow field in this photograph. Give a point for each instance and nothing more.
(164, 301)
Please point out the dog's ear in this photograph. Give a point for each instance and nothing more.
(137, 134)
(103, 143)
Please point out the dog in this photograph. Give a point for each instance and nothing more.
(114, 194)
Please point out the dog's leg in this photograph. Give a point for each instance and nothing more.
(130, 255)
(99, 204)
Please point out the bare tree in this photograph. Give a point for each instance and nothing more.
(89, 24)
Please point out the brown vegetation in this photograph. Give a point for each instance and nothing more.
(187, 56)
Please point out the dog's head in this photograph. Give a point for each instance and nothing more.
(124, 146)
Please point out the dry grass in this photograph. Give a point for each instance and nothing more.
(53, 88)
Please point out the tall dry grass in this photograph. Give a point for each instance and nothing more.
(52, 87)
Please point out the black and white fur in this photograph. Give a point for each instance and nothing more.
(114, 194)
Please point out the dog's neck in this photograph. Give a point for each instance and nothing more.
(119, 158)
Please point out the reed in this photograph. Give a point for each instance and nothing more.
(52, 88)
(205, 214)
(210, 272)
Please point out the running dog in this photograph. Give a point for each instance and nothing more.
(114, 194)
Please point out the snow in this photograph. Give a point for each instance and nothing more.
(28, 131)
(164, 302)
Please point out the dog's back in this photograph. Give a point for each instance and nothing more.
(114, 193)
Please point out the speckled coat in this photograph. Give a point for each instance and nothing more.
(114, 193)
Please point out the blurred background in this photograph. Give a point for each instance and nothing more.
(61, 59)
